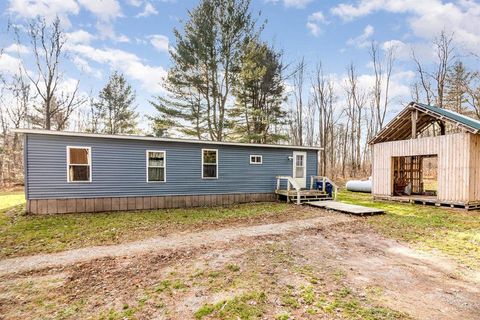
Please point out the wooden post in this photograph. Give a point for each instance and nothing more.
(442, 128)
(414, 123)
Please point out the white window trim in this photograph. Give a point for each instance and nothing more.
(164, 166)
(216, 158)
(89, 163)
(256, 155)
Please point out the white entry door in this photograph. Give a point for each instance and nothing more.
(300, 168)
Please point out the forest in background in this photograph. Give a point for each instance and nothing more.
(227, 84)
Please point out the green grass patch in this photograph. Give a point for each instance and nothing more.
(353, 309)
(246, 306)
(29, 234)
(11, 199)
(453, 232)
(233, 267)
(283, 316)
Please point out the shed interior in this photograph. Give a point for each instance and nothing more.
(415, 175)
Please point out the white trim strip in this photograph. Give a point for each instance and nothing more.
(128, 137)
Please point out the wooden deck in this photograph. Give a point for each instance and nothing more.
(305, 195)
(429, 200)
(346, 208)
(295, 193)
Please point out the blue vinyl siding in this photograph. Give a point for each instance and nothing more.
(119, 168)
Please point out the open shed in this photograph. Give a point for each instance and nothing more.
(428, 155)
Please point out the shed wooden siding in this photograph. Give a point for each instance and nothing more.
(119, 168)
(458, 164)
(474, 174)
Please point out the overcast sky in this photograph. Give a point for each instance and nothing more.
(133, 36)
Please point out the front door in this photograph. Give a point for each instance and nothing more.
(300, 168)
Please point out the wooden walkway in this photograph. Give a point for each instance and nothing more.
(345, 207)
(430, 200)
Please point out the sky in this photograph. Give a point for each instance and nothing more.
(134, 36)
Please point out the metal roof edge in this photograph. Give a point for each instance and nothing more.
(432, 111)
(146, 138)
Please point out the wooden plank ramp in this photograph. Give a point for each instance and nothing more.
(345, 207)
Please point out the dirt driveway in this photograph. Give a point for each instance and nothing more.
(329, 267)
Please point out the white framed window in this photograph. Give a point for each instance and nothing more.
(256, 159)
(79, 164)
(209, 164)
(156, 166)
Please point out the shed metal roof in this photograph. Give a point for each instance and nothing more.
(399, 128)
(146, 138)
(467, 121)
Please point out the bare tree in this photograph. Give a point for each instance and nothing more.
(324, 99)
(298, 83)
(382, 67)
(445, 54)
(356, 101)
(56, 104)
(444, 51)
(415, 91)
(13, 114)
(309, 124)
(473, 94)
(18, 110)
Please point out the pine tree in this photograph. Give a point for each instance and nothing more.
(205, 64)
(259, 92)
(115, 107)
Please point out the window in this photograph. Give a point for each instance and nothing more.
(255, 159)
(79, 162)
(299, 166)
(156, 166)
(209, 164)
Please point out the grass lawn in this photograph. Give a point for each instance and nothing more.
(22, 234)
(11, 199)
(289, 277)
(454, 232)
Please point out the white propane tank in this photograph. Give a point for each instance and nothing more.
(360, 185)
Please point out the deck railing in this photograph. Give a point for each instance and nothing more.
(324, 182)
(291, 183)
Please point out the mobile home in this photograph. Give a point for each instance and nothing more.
(83, 172)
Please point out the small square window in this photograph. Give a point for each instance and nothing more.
(256, 159)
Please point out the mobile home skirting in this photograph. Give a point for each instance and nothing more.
(80, 205)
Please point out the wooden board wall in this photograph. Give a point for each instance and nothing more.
(458, 164)
(474, 168)
(80, 205)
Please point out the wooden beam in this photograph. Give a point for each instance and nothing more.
(414, 123)
(442, 127)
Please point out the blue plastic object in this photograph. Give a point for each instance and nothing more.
(328, 187)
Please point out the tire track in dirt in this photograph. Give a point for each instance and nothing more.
(171, 242)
